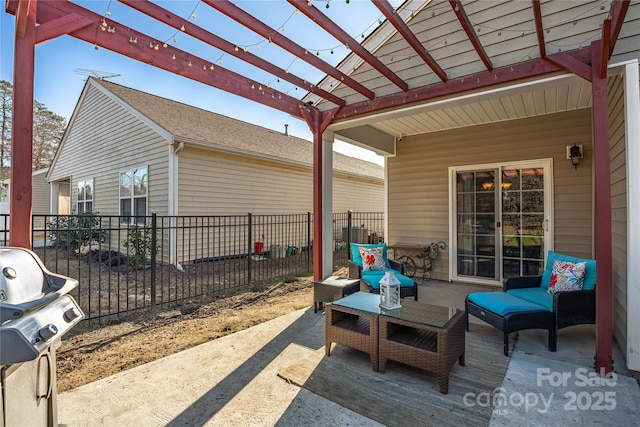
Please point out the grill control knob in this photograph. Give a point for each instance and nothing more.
(48, 332)
(71, 314)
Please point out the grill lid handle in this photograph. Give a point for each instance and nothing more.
(16, 311)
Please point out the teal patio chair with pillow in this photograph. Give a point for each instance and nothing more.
(564, 295)
(370, 262)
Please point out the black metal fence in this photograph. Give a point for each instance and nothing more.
(166, 260)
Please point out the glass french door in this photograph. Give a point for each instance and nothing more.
(502, 221)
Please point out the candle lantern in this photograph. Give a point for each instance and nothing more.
(389, 291)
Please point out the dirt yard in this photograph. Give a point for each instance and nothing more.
(87, 355)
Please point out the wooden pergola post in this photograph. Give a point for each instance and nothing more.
(602, 211)
(22, 130)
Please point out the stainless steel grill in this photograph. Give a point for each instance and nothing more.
(35, 312)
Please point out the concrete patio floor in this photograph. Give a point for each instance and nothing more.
(233, 381)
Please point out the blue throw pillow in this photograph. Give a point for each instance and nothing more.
(357, 258)
(589, 274)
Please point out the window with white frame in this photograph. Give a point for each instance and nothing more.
(133, 196)
(85, 196)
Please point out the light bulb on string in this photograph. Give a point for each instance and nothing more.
(175, 40)
(173, 57)
(103, 23)
(108, 12)
(189, 64)
(182, 28)
(193, 14)
(211, 67)
(165, 44)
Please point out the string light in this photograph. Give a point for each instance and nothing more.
(189, 64)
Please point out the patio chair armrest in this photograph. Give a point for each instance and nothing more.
(574, 307)
(521, 282)
(355, 271)
(396, 265)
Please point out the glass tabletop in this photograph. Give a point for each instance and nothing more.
(411, 311)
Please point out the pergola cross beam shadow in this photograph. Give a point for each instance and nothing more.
(338, 97)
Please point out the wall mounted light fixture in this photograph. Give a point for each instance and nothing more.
(575, 154)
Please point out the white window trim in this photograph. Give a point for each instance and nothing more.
(132, 218)
(548, 206)
(84, 201)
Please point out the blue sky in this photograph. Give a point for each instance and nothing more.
(58, 85)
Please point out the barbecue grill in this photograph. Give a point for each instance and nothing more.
(35, 312)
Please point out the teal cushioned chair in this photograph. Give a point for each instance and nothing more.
(371, 279)
(566, 308)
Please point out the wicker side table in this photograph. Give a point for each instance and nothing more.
(331, 289)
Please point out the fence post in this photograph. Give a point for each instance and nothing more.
(309, 248)
(154, 243)
(349, 228)
(249, 243)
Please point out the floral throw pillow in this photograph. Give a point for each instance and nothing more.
(566, 276)
(372, 259)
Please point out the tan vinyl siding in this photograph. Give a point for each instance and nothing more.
(106, 138)
(418, 177)
(40, 198)
(107, 131)
(215, 183)
(618, 207)
(357, 195)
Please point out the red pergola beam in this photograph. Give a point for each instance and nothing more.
(571, 64)
(173, 20)
(61, 26)
(617, 13)
(23, 9)
(330, 27)
(119, 42)
(537, 16)
(523, 70)
(388, 11)
(258, 27)
(456, 5)
(604, 56)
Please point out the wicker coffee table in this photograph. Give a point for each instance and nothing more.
(353, 321)
(424, 336)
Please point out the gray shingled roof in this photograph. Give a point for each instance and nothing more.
(186, 122)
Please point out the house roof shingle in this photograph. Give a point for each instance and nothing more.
(186, 122)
